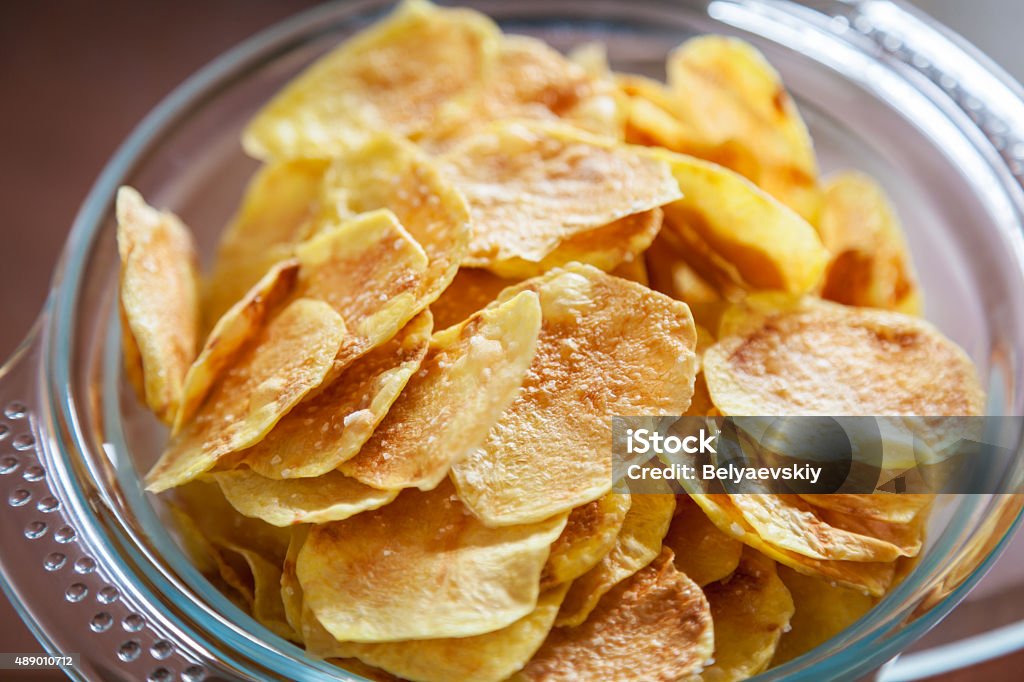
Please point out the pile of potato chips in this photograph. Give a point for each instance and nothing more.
(463, 254)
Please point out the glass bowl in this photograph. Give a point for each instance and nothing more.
(87, 555)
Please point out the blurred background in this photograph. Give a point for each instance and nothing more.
(76, 76)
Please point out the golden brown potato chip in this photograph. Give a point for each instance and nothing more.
(750, 611)
(471, 290)
(589, 535)
(871, 264)
(159, 300)
(655, 626)
(287, 359)
(704, 553)
(275, 215)
(869, 577)
(823, 610)
(532, 80)
(788, 522)
(490, 657)
(883, 362)
(531, 185)
(470, 374)
(331, 426)
(902, 508)
(606, 347)
(369, 269)
(731, 94)
(393, 174)
(422, 567)
(605, 247)
(331, 497)
(402, 76)
(231, 332)
(770, 246)
(637, 544)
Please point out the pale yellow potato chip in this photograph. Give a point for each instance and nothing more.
(731, 94)
(279, 204)
(704, 553)
(606, 247)
(750, 612)
(470, 291)
(287, 359)
(908, 536)
(901, 508)
(750, 313)
(393, 174)
(291, 590)
(589, 536)
(267, 606)
(872, 578)
(634, 269)
(835, 360)
(330, 427)
(158, 299)
(470, 374)
(871, 264)
(655, 626)
(369, 269)
(231, 332)
(402, 76)
(823, 610)
(770, 246)
(490, 657)
(606, 347)
(533, 184)
(788, 522)
(422, 567)
(637, 544)
(368, 672)
(331, 497)
(132, 355)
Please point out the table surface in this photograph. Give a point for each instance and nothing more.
(76, 77)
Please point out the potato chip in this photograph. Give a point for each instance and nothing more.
(471, 290)
(606, 347)
(788, 522)
(823, 610)
(132, 355)
(750, 612)
(532, 80)
(589, 535)
(331, 426)
(869, 577)
(402, 75)
(750, 313)
(267, 607)
(605, 247)
(634, 269)
(637, 544)
(392, 174)
(871, 264)
(885, 363)
(331, 497)
(490, 657)
(422, 567)
(275, 215)
(531, 185)
(900, 508)
(368, 672)
(369, 269)
(732, 94)
(291, 590)
(655, 626)
(704, 553)
(231, 332)
(289, 357)
(159, 300)
(470, 374)
(770, 246)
